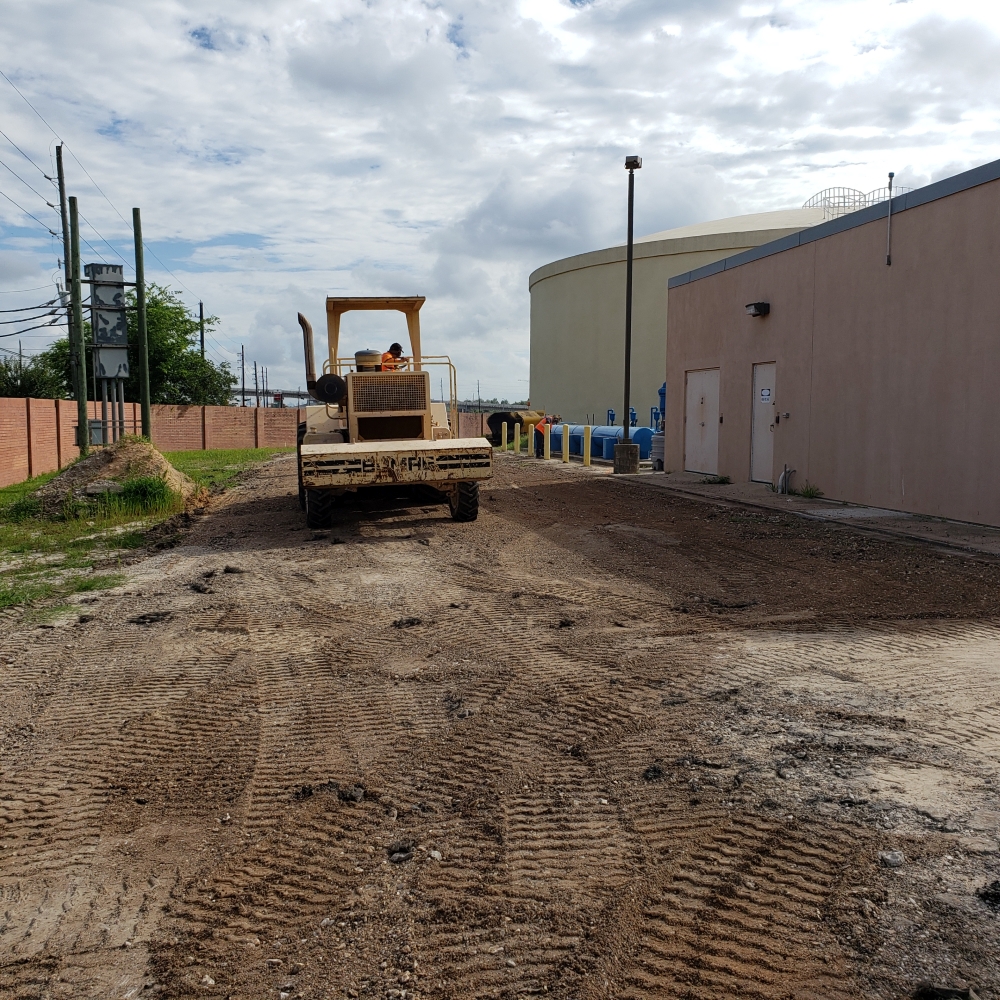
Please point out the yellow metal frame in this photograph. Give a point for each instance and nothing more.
(345, 365)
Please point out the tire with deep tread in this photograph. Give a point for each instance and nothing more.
(300, 434)
(464, 502)
(319, 508)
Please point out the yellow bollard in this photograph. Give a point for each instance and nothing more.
(531, 440)
(564, 434)
(503, 436)
(586, 445)
(547, 437)
(517, 438)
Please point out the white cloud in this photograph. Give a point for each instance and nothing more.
(288, 149)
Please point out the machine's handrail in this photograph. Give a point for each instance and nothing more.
(345, 365)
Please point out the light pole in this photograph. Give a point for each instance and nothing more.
(626, 453)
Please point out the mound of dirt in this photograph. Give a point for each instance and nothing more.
(104, 467)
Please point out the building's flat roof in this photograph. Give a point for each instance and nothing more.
(921, 196)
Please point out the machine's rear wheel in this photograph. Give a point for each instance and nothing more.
(319, 508)
(464, 502)
(298, 448)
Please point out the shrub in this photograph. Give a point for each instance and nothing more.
(22, 509)
(141, 495)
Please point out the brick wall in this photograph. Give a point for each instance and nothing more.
(39, 435)
(13, 441)
(472, 425)
(178, 428)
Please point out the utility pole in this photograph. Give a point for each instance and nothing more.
(201, 323)
(140, 301)
(63, 214)
(243, 374)
(256, 387)
(78, 353)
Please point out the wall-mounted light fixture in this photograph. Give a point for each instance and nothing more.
(758, 308)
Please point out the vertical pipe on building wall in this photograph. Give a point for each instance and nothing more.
(888, 227)
(586, 445)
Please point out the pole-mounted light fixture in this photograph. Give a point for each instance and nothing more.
(624, 452)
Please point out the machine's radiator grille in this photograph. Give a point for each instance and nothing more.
(391, 392)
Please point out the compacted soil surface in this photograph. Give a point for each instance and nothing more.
(606, 741)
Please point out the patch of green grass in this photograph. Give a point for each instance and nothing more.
(218, 467)
(48, 613)
(10, 495)
(15, 591)
(84, 584)
(716, 480)
(809, 491)
(130, 540)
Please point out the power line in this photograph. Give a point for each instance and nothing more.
(24, 154)
(25, 319)
(109, 245)
(100, 191)
(18, 291)
(17, 333)
(27, 213)
(30, 308)
(27, 185)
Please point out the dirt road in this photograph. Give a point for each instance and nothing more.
(603, 742)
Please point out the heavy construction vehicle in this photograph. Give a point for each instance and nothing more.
(376, 429)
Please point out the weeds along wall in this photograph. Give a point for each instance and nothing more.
(39, 435)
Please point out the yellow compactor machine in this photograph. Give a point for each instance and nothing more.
(375, 429)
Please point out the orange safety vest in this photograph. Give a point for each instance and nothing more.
(540, 426)
(390, 363)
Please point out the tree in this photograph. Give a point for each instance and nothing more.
(34, 377)
(177, 372)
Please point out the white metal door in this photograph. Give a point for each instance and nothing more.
(762, 442)
(701, 422)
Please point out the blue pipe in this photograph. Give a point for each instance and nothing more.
(602, 440)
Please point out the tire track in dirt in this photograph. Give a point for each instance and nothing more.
(596, 776)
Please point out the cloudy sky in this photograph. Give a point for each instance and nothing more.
(283, 150)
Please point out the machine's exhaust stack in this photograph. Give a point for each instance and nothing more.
(329, 388)
(307, 342)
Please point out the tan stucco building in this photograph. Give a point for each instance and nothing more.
(876, 383)
(578, 313)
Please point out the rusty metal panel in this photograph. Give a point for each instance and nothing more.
(379, 467)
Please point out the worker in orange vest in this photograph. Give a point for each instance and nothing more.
(540, 434)
(393, 359)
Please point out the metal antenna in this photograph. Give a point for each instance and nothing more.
(888, 228)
